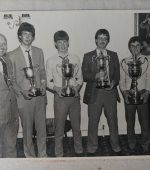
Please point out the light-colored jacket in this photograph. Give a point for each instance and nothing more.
(8, 105)
(19, 78)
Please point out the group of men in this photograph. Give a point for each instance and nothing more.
(17, 98)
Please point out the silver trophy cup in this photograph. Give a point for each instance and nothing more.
(68, 73)
(29, 73)
(135, 72)
(103, 80)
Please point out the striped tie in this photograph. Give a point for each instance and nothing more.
(30, 59)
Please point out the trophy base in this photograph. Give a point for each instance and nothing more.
(103, 85)
(71, 93)
(35, 92)
(135, 101)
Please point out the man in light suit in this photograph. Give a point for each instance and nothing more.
(8, 105)
(31, 109)
(106, 98)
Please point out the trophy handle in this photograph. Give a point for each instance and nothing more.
(145, 60)
(123, 61)
(108, 60)
(76, 69)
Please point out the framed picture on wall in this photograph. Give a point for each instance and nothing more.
(142, 29)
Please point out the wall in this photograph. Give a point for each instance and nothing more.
(81, 26)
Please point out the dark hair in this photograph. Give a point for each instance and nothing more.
(133, 40)
(61, 35)
(26, 27)
(102, 31)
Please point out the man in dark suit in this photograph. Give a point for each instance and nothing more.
(101, 90)
(31, 109)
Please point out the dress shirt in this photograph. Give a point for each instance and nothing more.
(26, 54)
(54, 73)
(1, 68)
(143, 81)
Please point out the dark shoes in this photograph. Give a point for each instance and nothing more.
(89, 154)
(145, 151)
(117, 153)
(79, 154)
(133, 151)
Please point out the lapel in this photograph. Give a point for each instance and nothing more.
(111, 65)
(33, 56)
(21, 58)
(94, 54)
(35, 59)
(92, 59)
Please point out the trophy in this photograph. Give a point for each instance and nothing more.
(102, 63)
(68, 71)
(134, 71)
(29, 73)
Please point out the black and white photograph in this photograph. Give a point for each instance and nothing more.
(75, 86)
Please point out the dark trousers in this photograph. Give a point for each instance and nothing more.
(62, 107)
(143, 116)
(107, 100)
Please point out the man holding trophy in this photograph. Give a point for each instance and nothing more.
(101, 73)
(30, 87)
(135, 88)
(65, 79)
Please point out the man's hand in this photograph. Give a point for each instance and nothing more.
(145, 95)
(126, 95)
(112, 84)
(27, 94)
(76, 89)
(43, 90)
(58, 90)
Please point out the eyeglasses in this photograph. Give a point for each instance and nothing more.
(102, 39)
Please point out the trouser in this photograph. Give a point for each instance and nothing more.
(143, 116)
(63, 107)
(8, 138)
(34, 110)
(107, 100)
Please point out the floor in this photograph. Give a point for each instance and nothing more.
(103, 150)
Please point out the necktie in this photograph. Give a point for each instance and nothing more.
(64, 61)
(30, 59)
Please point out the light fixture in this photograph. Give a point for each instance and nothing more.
(15, 22)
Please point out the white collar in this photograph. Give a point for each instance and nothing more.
(24, 49)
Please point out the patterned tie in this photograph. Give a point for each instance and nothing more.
(30, 59)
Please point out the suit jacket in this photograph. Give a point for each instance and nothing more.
(89, 73)
(8, 105)
(19, 78)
